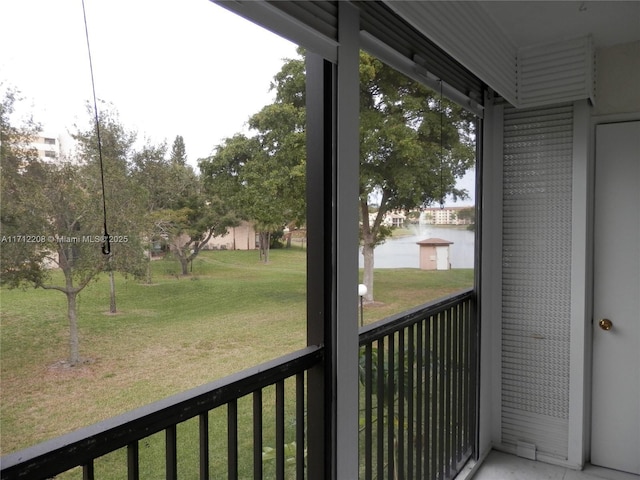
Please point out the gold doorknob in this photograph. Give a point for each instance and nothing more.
(605, 324)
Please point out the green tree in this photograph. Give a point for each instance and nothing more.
(123, 196)
(178, 151)
(16, 156)
(263, 176)
(414, 145)
(414, 216)
(180, 213)
(153, 173)
(55, 220)
(15, 153)
(468, 215)
(65, 220)
(189, 228)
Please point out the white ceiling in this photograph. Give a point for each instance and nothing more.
(529, 23)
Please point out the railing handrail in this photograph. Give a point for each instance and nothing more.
(384, 327)
(84, 445)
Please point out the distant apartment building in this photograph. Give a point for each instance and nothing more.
(242, 237)
(391, 219)
(48, 146)
(395, 219)
(445, 216)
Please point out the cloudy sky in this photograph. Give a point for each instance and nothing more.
(169, 67)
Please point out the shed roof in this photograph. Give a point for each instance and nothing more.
(434, 241)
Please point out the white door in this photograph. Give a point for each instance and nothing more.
(442, 258)
(615, 439)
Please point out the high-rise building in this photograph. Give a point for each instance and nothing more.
(48, 146)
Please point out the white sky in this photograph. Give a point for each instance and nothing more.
(169, 67)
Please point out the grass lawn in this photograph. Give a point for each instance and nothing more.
(232, 312)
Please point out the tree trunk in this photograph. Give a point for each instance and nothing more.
(112, 284)
(149, 263)
(184, 263)
(74, 341)
(267, 246)
(265, 238)
(367, 276)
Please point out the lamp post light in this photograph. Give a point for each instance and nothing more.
(362, 291)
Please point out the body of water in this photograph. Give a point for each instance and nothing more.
(404, 252)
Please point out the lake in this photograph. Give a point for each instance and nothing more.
(403, 252)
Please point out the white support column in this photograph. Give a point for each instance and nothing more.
(347, 183)
(581, 281)
(491, 280)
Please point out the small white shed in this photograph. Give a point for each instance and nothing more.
(434, 254)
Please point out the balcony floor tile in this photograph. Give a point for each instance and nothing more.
(502, 466)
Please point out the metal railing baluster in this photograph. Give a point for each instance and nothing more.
(88, 472)
(432, 398)
(368, 413)
(300, 427)
(458, 384)
(439, 431)
(380, 409)
(448, 417)
(203, 433)
(401, 394)
(466, 337)
(133, 461)
(171, 452)
(280, 464)
(232, 440)
(257, 434)
(410, 395)
(420, 404)
(390, 409)
(473, 381)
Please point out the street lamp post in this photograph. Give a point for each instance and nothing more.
(362, 291)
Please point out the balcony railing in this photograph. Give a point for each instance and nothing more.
(418, 390)
(84, 447)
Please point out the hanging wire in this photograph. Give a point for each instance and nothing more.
(441, 149)
(106, 244)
